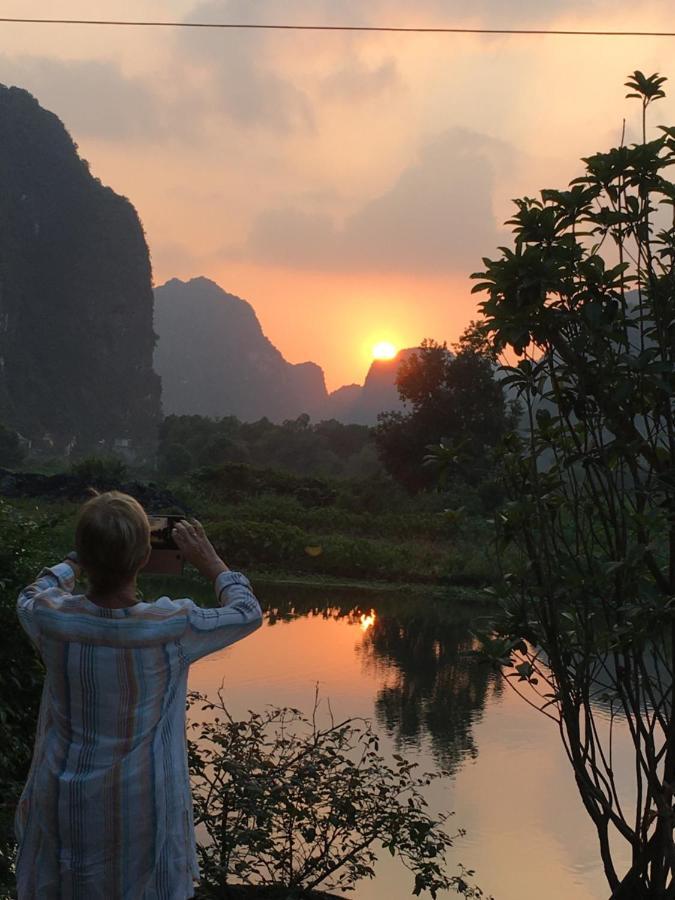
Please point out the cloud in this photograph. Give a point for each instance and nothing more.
(500, 13)
(246, 83)
(92, 97)
(437, 217)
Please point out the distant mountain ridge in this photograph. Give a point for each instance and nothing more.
(378, 394)
(215, 360)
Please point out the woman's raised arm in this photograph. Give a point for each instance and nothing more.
(212, 629)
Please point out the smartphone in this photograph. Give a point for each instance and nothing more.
(165, 557)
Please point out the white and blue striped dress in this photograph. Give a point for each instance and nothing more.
(106, 813)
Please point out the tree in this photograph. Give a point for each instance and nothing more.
(175, 461)
(585, 299)
(454, 400)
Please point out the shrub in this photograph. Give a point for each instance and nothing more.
(264, 543)
(359, 557)
(25, 547)
(101, 470)
(234, 481)
(285, 802)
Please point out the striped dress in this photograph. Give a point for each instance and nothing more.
(106, 813)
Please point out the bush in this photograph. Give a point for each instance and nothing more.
(285, 802)
(264, 543)
(358, 557)
(26, 545)
(235, 481)
(277, 545)
(100, 470)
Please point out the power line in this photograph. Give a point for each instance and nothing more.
(361, 28)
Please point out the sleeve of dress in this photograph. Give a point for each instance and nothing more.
(209, 630)
(59, 580)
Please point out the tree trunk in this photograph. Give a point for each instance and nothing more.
(632, 888)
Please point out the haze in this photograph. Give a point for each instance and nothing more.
(345, 184)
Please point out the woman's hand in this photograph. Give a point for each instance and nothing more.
(197, 549)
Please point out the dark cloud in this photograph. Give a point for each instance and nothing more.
(437, 217)
(92, 97)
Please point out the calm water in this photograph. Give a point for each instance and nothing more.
(407, 665)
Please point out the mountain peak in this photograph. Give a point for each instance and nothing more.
(75, 268)
(238, 371)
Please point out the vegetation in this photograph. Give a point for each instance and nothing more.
(97, 469)
(588, 631)
(456, 401)
(272, 521)
(287, 802)
(25, 545)
(326, 448)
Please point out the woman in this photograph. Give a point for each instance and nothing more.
(106, 812)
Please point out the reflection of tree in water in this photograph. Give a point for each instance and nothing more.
(432, 684)
(435, 684)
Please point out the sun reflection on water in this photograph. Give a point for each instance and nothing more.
(367, 620)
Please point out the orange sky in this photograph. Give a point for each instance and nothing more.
(346, 185)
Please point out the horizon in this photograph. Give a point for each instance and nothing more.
(345, 184)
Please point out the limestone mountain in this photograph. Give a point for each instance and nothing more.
(361, 405)
(76, 336)
(214, 359)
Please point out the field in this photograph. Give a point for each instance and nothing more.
(284, 526)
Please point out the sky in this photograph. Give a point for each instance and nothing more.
(347, 185)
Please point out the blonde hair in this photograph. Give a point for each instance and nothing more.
(112, 537)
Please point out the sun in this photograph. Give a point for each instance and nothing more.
(384, 350)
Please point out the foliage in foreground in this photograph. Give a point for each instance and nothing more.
(588, 632)
(286, 802)
(25, 547)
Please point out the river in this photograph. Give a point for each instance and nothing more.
(407, 665)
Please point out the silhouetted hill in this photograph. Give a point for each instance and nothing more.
(361, 405)
(214, 359)
(76, 336)
(341, 401)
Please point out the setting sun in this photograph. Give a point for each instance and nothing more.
(384, 350)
